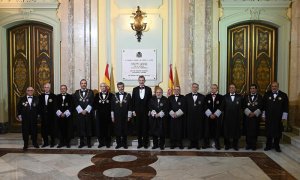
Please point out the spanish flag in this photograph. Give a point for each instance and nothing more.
(106, 79)
(171, 82)
(176, 79)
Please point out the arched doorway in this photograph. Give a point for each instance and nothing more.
(252, 55)
(30, 62)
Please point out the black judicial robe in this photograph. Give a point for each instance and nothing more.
(84, 122)
(274, 109)
(29, 116)
(65, 123)
(102, 108)
(213, 126)
(157, 124)
(195, 116)
(47, 112)
(121, 110)
(255, 106)
(140, 106)
(177, 124)
(232, 115)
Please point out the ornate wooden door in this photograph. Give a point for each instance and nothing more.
(30, 63)
(251, 56)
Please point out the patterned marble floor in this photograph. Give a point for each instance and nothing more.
(104, 163)
(133, 164)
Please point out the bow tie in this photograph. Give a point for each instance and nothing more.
(275, 93)
(103, 93)
(232, 94)
(47, 93)
(195, 94)
(121, 93)
(142, 87)
(29, 96)
(82, 90)
(63, 94)
(213, 94)
(176, 95)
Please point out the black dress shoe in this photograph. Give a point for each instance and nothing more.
(248, 147)
(277, 149)
(217, 147)
(197, 147)
(52, 145)
(68, 146)
(139, 146)
(154, 147)
(236, 148)
(145, 146)
(100, 145)
(89, 145)
(45, 145)
(162, 147)
(191, 147)
(253, 148)
(227, 147)
(36, 146)
(25, 147)
(267, 149)
(172, 147)
(125, 147)
(181, 147)
(118, 147)
(107, 146)
(81, 145)
(60, 146)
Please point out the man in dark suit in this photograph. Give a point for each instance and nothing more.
(83, 102)
(253, 104)
(176, 111)
(213, 119)
(121, 112)
(64, 116)
(276, 108)
(102, 107)
(232, 108)
(158, 107)
(140, 99)
(27, 114)
(47, 102)
(195, 107)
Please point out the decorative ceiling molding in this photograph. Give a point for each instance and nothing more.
(128, 4)
(32, 4)
(255, 3)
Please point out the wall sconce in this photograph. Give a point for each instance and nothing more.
(138, 25)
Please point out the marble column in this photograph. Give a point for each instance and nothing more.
(294, 85)
(79, 43)
(195, 44)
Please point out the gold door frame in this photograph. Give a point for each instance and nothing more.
(251, 56)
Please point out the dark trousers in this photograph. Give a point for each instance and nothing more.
(88, 139)
(272, 142)
(158, 141)
(121, 140)
(234, 144)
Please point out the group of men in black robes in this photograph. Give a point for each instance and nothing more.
(197, 117)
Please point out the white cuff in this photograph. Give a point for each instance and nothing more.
(263, 114)
(129, 114)
(67, 113)
(153, 113)
(257, 112)
(161, 114)
(58, 113)
(133, 113)
(79, 109)
(218, 113)
(88, 108)
(284, 115)
(20, 117)
(247, 111)
(208, 112)
(171, 113)
(112, 114)
(179, 113)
